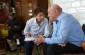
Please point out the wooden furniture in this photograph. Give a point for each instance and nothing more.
(3, 12)
(24, 8)
(83, 45)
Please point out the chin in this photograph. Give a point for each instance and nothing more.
(51, 20)
(42, 20)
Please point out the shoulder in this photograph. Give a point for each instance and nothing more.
(46, 19)
(68, 20)
(30, 20)
(66, 17)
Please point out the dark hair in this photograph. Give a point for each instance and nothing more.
(37, 10)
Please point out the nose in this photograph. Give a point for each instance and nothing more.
(42, 17)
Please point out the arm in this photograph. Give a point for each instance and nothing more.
(27, 28)
(62, 31)
(46, 30)
(59, 38)
(46, 34)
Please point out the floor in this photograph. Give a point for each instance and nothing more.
(21, 51)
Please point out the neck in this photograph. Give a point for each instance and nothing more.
(38, 22)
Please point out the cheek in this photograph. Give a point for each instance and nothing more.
(52, 17)
(38, 19)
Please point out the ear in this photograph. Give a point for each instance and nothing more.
(55, 12)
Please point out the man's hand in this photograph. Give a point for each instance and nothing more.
(28, 34)
(40, 39)
(63, 45)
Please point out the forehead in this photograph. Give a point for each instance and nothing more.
(40, 13)
(50, 9)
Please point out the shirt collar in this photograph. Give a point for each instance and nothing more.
(34, 20)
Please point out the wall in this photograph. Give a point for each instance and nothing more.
(50, 2)
(75, 7)
(24, 8)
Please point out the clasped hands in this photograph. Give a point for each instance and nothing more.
(39, 39)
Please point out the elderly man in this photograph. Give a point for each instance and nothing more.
(67, 34)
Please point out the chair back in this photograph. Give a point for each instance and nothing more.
(83, 45)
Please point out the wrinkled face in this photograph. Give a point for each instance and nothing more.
(40, 16)
(52, 14)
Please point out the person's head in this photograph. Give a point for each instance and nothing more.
(53, 12)
(11, 16)
(39, 14)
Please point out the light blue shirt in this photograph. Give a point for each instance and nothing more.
(35, 29)
(66, 29)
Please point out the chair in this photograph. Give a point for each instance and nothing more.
(83, 45)
(83, 28)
